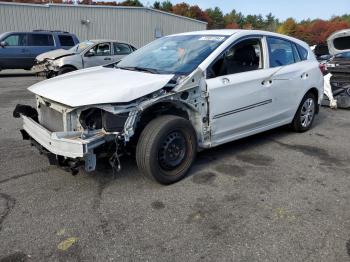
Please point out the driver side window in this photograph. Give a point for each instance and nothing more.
(103, 49)
(15, 40)
(244, 56)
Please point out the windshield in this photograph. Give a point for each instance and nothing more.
(81, 46)
(172, 55)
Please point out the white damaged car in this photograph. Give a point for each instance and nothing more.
(84, 55)
(175, 96)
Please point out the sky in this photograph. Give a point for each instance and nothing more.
(282, 9)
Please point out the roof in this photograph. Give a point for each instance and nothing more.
(243, 32)
(103, 6)
(223, 32)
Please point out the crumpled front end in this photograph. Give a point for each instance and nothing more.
(46, 68)
(70, 137)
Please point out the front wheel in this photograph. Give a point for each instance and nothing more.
(305, 115)
(166, 149)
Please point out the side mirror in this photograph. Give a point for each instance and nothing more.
(90, 53)
(3, 44)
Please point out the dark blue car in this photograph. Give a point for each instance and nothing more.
(18, 50)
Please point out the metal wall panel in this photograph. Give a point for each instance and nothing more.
(130, 24)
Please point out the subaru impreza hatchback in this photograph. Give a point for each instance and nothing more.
(175, 96)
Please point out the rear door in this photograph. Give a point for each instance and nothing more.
(100, 54)
(120, 50)
(289, 75)
(39, 43)
(15, 54)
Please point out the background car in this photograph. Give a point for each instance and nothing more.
(18, 50)
(86, 54)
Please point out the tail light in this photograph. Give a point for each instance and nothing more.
(323, 68)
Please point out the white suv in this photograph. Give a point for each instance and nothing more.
(173, 97)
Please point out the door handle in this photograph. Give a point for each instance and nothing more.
(107, 58)
(304, 75)
(267, 82)
(225, 80)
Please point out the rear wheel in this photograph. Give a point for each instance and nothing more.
(65, 70)
(305, 115)
(166, 149)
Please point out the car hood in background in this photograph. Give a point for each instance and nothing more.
(99, 85)
(55, 54)
(339, 42)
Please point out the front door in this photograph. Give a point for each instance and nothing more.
(239, 87)
(15, 53)
(98, 55)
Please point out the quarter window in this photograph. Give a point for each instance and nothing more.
(242, 57)
(280, 51)
(302, 52)
(16, 40)
(40, 40)
(121, 49)
(66, 40)
(296, 54)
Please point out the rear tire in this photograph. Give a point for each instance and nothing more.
(305, 114)
(65, 70)
(166, 149)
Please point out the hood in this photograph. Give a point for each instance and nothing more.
(54, 54)
(99, 85)
(339, 42)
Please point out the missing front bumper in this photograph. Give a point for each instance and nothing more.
(73, 147)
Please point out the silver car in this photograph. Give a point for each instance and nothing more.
(85, 54)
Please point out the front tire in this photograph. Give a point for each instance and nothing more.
(305, 115)
(166, 149)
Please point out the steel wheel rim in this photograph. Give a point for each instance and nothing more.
(307, 112)
(172, 152)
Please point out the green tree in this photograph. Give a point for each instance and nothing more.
(288, 27)
(156, 5)
(216, 18)
(130, 3)
(166, 6)
(271, 23)
(233, 18)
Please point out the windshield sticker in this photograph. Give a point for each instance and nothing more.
(212, 38)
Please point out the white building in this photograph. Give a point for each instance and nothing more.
(135, 25)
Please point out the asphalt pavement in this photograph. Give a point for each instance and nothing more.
(276, 196)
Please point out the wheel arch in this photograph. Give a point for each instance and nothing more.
(315, 92)
(166, 107)
(69, 66)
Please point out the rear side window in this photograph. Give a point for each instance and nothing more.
(66, 40)
(281, 52)
(121, 49)
(302, 52)
(16, 40)
(40, 40)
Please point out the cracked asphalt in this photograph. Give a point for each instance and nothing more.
(277, 196)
